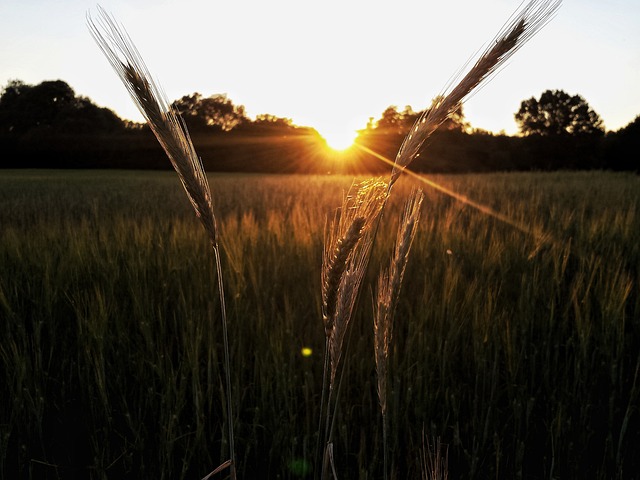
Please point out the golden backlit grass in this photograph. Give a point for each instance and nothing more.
(521, 351)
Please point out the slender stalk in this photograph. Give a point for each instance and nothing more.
(227, 361)
(172, 134)
(385, 446)
(328, 431)
(389, 285)
(348, 243)
(520, 28)
(323, 399)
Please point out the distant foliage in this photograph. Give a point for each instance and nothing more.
(51, 106)
(214, 112)
(49, 125)
(265, 122)
(621, 147)
(393, 121)
(558, 113)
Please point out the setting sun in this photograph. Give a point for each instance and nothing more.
(339, 140)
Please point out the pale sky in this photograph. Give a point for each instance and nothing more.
(331, 64)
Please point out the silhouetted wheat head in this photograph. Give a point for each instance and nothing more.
(348, 242)
(388, 291)
(164, 121)
(519, 29)
(172, 134)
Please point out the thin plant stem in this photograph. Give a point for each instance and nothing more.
(172, 134)
(385, 447)
(328, 429)
(346, 255)
(227, 360)
(323, 399)
(332, 424)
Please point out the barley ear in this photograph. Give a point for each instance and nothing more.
(347, 249)
(348, 244)
(519, 29)
(164, 121)
(335, 268)
(172, 134)
(388, 291)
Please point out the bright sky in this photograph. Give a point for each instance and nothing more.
(331, 64)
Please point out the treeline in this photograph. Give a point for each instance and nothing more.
(49, 126)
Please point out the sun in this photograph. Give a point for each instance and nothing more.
(339, 140)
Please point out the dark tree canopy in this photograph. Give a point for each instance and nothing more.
(400, 122)
(267, 119)
(456, 122)
(49, 125)
(558, 113)
(51, 106)
(392, 121)
(621, 147)
(270, 124)
(216, 112)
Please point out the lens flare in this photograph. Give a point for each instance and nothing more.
(339, 140)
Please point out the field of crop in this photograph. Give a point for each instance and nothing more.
(517, 343)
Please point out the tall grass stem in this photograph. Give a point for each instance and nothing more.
(172, 134)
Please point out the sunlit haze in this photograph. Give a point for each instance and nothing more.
(338, 138)
(332, 65)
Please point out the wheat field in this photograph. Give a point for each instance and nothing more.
(516, 339)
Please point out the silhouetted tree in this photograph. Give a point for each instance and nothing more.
(84, 116)
(558, 113)
(385, 135)
(51, 106)
(456, 122)
(189, 108)
(24, 107)
(397, 122)
(216, 112)
(267, 119)
(622, 147)
(391, 121)
(268, 124)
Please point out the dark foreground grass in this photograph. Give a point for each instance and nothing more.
(519, 350)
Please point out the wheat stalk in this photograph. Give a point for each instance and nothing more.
(519, 29)
(336, 264)
(433, 461)
(172, 134)
(348, 242)
(347, 247)
(164, 121)
(388, 292)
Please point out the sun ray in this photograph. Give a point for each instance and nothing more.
(339, 140)
(541, 236)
